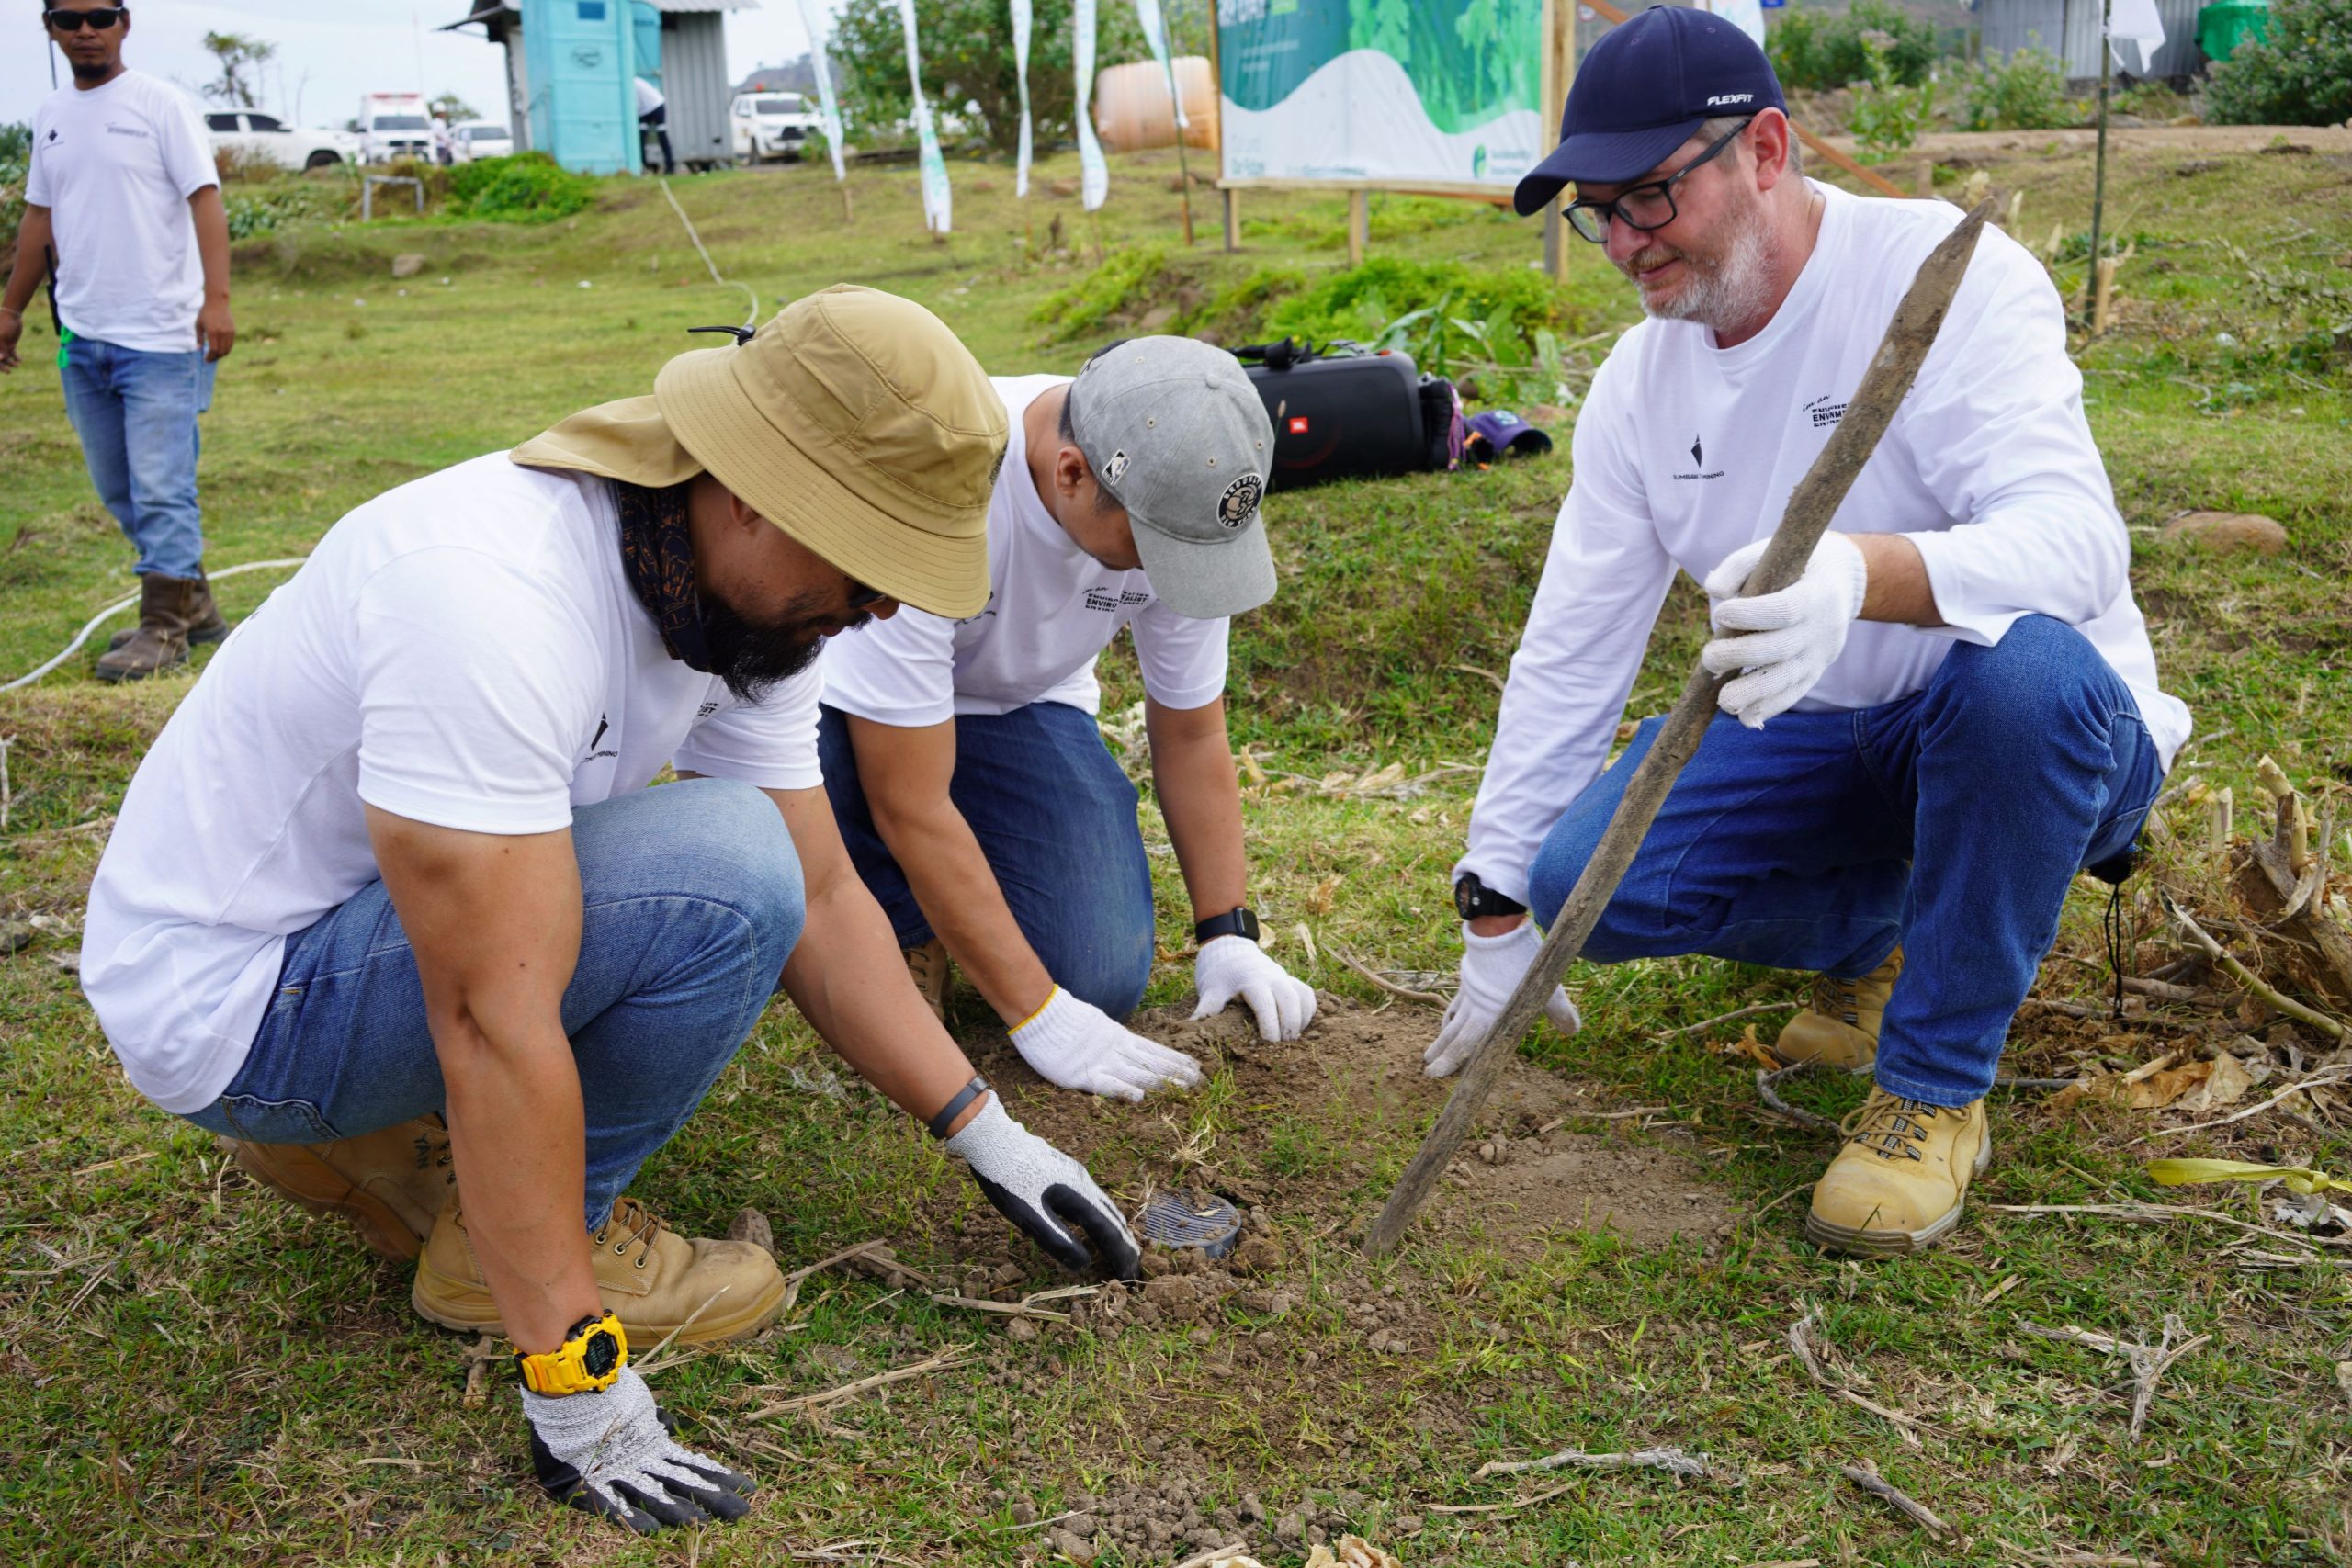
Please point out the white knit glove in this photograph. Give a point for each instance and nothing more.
(609, 1454)
(1491, 968)
(1044, 1192)
(1232, 967)
(1786, 638)
(1077, 1045)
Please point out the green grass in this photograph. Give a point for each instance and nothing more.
(194, 1372)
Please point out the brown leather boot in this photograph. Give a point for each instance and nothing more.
(927, 966)
(207, 625)
(168, 608)
(390, 1185)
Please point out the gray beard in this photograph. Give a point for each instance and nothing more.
(1728, 292)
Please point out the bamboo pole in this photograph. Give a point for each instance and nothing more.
(1871, 408)
(2099, 171)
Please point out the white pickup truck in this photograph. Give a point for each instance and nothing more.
(772, 125)
(394, 125)
(249, 135)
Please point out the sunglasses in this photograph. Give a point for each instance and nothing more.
(99, 20)
(860, 595)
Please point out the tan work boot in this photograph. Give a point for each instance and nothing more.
(206, 624)
(167, 610)
(1840, 1030)
(927, 966)
(389, 1184)
(1898, 1184)
(647, 1276)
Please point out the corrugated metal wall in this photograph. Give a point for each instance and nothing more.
(696, 86)
(2069, 29)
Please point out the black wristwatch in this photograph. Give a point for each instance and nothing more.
(1233, 922)
(1473, 898)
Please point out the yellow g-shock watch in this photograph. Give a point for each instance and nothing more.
(589, 1360)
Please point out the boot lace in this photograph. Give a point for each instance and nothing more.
(1890, 1126)
(923, 964)
(633, 1223)
(1834, 997)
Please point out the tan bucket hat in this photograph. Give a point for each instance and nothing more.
(854, 421)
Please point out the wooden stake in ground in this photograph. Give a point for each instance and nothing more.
(1813, 502)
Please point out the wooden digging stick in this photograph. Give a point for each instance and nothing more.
(1811, 506)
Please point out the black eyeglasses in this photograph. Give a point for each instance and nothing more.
(104, 18)
(860, 595)
(1643, 207)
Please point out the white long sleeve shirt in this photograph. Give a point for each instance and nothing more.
(1685, 452)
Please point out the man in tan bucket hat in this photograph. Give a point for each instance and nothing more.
(394, 858)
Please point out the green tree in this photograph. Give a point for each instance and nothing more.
(2301, 73)
(967, 67)
(237, 55)
(1821, 49)
(453, 109)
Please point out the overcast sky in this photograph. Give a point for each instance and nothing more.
(330, 51)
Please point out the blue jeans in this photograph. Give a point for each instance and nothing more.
(1056, 817)
(1951, 821)
(691, 902)
(134, 412)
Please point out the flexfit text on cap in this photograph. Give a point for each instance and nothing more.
(1642, 92)
(1176, 433)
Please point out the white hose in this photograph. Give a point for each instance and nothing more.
(117, 607)
(751, 315)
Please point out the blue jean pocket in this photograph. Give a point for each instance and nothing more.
(259, 1121)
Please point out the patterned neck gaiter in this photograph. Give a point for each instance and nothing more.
(658, 557)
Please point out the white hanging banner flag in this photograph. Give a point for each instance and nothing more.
(1154, 33)
(933, 165)
(2135, 30)
(1020, 20)
(1094, 175)
(1747, 16)
(824, 71)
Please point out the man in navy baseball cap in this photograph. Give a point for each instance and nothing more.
(1642, 93)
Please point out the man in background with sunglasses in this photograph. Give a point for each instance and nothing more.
(1951, 711)
(395, 858)
(123, 194)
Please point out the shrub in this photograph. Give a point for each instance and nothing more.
(2300, 74)
(1886, 117)
(1496, 327)
(1823, 50)
(2025, 92)
(15, 160)
(523, 188)
(1124, 280)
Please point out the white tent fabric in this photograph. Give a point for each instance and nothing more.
(2135, 31)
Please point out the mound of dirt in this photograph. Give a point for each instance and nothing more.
(1313, 1129)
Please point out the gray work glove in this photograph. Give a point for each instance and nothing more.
(1043, 1191)
(610, 1454)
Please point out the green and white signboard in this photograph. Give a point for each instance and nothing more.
(1431, 92)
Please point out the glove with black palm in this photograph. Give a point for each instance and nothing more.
(1044, 1192)
(611, 1454)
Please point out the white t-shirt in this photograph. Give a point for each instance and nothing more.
(115, 165)
(463, 651)
(1686, 451)
(649, 97)
(1052, 608)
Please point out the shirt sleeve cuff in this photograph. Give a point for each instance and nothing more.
(1965, 620)
(466, 813)
(1183, 698)
(898, 716)
(771, 776)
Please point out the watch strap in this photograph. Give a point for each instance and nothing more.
(1238, 922)
(939, 1125)
(580, 1364)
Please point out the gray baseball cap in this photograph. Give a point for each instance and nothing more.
(1176, 433)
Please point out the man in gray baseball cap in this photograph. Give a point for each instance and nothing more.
(966, 771)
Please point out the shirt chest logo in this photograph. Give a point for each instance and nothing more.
(1698, 469)
(1102, 597)
(140, 131)
(604, 727)
(1824, 411)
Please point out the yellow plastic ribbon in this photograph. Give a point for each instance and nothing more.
(2300, 1179)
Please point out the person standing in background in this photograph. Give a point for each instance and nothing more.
(654, 114)
(123, 204)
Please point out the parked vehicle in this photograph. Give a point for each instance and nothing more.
(248, 135)
(475, 138)
(772, 125)
(394, 125)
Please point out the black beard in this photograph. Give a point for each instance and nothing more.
(752, 658)
(84, 72)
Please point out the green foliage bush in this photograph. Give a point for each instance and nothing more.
(1822, 50)
(15, 160)
(523, 188)
(2025, 92)
(2301, 74)
(967, 59)
(1124, 279)
(1886, 117)
(260, 211)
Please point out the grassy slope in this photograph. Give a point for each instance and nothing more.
(195, 1375)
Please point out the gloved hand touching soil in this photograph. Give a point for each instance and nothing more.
(1044, 1192)
(1491, 967)
(1784, 641)
(1230, 966)
(608, 1454)
(1076, 1045)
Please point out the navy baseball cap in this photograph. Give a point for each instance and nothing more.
(1642, 91)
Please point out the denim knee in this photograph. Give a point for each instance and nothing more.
(2039, 667)
(731, 847)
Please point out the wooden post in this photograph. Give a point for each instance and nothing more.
(1232, 218)
(1559, 63)
(1816, 498)
(2098, 175)
(1926, 177)
(1358, 224)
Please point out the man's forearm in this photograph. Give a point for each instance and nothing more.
(212, 220)
(34, 237)
(958, 893)
(1191, 771)
(519, 1141)
(847, 979)
(1899, 589)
